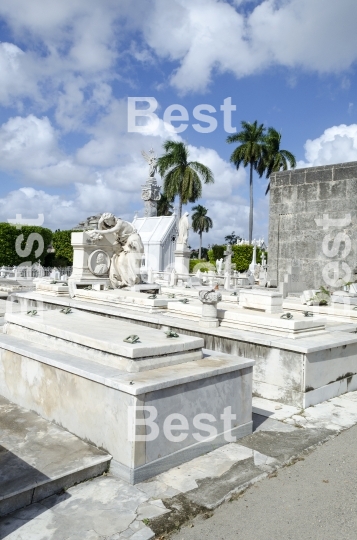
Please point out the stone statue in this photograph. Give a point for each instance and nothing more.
(152, 161)
(183, 229)
(128, 250)
(219, 265)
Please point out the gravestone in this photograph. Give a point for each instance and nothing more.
(292, 282)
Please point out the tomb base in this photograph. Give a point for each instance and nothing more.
(149, 421)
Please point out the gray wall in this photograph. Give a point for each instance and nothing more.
(299, 197)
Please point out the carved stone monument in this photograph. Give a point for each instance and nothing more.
(182, 253)
(150, 192)
(107, 257)
(209, 301)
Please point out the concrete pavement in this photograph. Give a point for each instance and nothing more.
(314, 499)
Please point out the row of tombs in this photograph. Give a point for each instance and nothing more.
(157, 374)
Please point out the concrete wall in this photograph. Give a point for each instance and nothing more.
(298, 201)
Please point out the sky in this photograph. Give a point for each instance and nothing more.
(70, 146)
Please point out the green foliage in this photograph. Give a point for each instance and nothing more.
(274, 158)
(181, 176)
(216, 252)
(200, 221)
(200, 264)
(10, 234)
(241, 257)
(165, 206)
(63, 248)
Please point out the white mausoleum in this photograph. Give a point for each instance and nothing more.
(159, 235)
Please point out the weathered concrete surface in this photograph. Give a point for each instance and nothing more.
(102, 508)
(108, 508)
(38, 458)
(285, 446)
(297, 199)
(316, 499)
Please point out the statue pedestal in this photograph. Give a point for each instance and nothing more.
(182, 259)
(209, 301)
(83, 267)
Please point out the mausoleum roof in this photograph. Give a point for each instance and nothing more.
(155, 230)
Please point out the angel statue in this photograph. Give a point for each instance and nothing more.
(128, 249)
(183, 228)
(152, 161)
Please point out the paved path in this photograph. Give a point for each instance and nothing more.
(314, 499)
(294, 503)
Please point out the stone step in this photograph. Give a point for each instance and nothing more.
(38, 458)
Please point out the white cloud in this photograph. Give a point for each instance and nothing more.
(29, 149)
(61, 211)
(63, 48)
(30, 140)
(210, 35)
(226, 176)
(17, 77)
(337, 144)
(230, 215)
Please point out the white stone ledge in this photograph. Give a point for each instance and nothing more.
(134, 384)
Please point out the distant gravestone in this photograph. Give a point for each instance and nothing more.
(292, 282)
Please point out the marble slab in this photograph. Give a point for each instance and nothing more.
(54, 289)
(102, 339)
(97, 403)
(261, 299)
(131, 299)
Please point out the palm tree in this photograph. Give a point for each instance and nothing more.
(181, 176)
(249, 152)
(274, 158)
(201, 223)
(165, 206)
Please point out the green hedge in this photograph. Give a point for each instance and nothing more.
(203, 265)
(16, 247)
(216, 252)
(241, 256)
(63, 248)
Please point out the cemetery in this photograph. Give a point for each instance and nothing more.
(129, 330)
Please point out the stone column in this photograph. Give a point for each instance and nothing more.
(182, 259)
(209, 301)
(253, 264)
(150, 194)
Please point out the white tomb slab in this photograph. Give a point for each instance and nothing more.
(234, 316)
(73, 370)
(123, 297)
(52, 287)
(344, 297)
(85, 334)
(261, 299)
(299, 372)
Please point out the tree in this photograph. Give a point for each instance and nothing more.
(182, 178)
(249, 152)
(274, 158)
(201, 223)
(232, 238)
(165, 206)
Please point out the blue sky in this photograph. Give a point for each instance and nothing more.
(68, 68)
